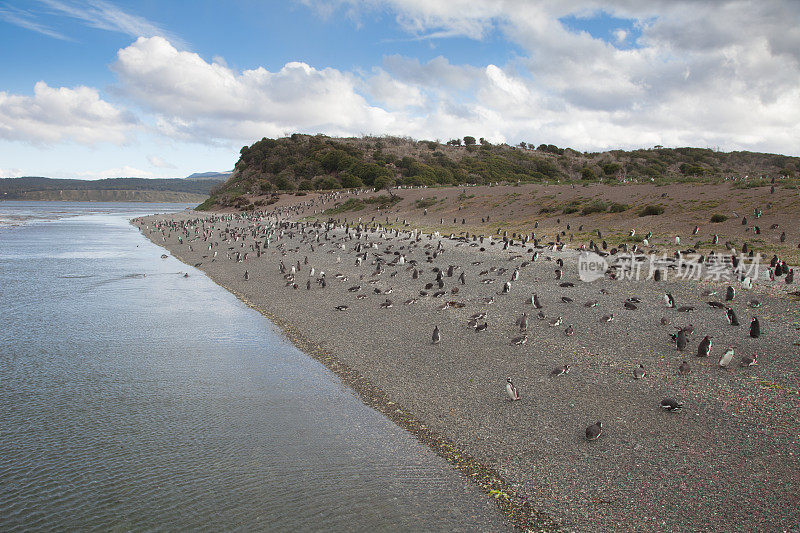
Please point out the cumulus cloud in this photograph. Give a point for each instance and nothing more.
(197, 100)
(723, 73)
(62, 114)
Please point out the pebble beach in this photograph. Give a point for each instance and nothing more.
(726, 461)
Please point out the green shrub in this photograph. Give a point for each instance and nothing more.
(618, 208)
(598, 206)
(651, 210)
(718, 218)
(425, 202)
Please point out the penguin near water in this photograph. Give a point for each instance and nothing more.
(511, 390)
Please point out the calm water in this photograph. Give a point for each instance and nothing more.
(134, 398)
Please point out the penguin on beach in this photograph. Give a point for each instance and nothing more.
(511, 390)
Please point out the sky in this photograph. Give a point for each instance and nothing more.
(152, 88)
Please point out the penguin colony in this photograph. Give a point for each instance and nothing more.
(496, 291)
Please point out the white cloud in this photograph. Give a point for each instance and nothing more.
(62, 114)
(159, 163)
(121, 172)
(103, 15)
(11, 172)
(197, 100)
(26, 19)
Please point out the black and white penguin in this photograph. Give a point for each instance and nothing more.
(731, 315)
(511, 390)
(536, 303)
(436, 337)
(755, 328)
(246, 275)
(639, 372)
(730, 293)
(593, 431)
(559, 371)
(727, 357)
(704, 349)
(671, 404)
(748, 360)
(669, 300)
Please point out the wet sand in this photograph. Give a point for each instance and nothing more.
(727, 461)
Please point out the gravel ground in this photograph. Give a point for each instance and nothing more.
(727, 462)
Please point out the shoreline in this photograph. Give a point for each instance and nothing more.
(388, 372)
(513, 506)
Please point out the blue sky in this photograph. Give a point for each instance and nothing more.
(97, 88)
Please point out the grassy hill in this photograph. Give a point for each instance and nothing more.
(306, 162)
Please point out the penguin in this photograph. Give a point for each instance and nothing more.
(569, 331)
(684, 368)
(555, 322)
(789, 277)
(436, 337)
(518, 341)
(669, 300)
(593, 431)
(704, 349)
(246, 275)
(507, 287)
(671, 404)
(559, 371)
(731, 314)
(681, 340)
(522, 322)
(755, 328)
(730, 293)
(727, 357)
(536, 303)
(748, 360)
(657, 275)
(511, 390)
(639, 372)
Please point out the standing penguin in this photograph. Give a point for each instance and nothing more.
(727, 357)
(730, 293)
(704, 349)
(669, 300)
(755, 328)
(511, 390)
(681, 340)
(536, 303)
(436, 337)
(731, 314)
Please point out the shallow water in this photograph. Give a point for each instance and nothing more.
(134, 398)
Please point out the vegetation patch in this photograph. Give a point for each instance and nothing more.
(425, 202)
(651, 210)
(718, 218)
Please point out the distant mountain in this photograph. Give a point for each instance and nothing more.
(111, 189)
(216, 176)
